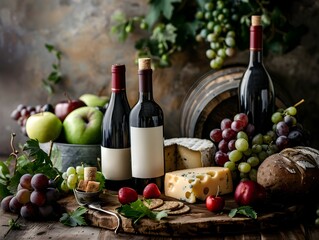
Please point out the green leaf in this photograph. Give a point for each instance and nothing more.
(54, 77)
(74, 218)
(49, 47)
(137, 210)
(4, 171)
(47, 86)
(3, 191)
(158, 7)
(32, 145)
(165, 34)
(14, 225)
(120, 21)
(233, 212)
(247, 211)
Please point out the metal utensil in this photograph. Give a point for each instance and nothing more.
(97, 206)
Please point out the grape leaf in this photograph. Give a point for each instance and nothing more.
(32, 160)
(164, 35)
(74, 218)
(137, 210)
(158, 7)
(247, 211)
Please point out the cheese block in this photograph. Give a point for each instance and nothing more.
(198, 183)
(184, 153)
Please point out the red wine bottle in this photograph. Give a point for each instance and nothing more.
(147, 141)
(116, 147)
(256, 91)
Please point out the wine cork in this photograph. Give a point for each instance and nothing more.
(255, 20)
(144, 63)
(90, 173)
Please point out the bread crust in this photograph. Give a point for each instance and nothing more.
(292, 171)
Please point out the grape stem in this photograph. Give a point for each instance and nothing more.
(14, 151)
(300, 102)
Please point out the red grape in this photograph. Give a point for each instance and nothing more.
(23, 196)
(231, 145)
(216, 135)
(38, 198)
(228, 134)
(39, 181)
(25, 181)
(221, 158)
(29, 211)
(5, 203)
(14, 205)
(282, 129)
(52, 195)
(223, 146)
(250, 130)
(225, 123)
(290, 120)
(237, 125)
(242, 117)
(15, 115)
(282, 142)
(295, 137)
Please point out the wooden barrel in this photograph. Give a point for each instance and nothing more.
(214, 97)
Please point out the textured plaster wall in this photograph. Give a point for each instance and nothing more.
(80, 29)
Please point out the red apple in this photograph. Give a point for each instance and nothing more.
(127, 195)
(63, 108)
(151, 191)
(249, 193)
(215, 203)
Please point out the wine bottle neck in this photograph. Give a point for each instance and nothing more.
(145, 84)
(118, 78)
(256, 44)
(256, 57)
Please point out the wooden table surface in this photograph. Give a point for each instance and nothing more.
(56, 230)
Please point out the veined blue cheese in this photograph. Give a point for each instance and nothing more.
(184, 153)
(198, 183)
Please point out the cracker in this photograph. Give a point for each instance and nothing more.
(179, 211)
(168, 205)
(153, 203)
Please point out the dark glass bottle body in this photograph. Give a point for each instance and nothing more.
(256, 90)
(146, 124)
(116, 147)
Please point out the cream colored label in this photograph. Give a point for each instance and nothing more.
(116, 163)
(147, 150)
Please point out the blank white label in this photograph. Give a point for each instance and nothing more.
(116, 163)
(147, 151)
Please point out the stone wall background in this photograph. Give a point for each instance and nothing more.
(80, 29)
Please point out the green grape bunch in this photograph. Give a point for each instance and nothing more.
(215, 27)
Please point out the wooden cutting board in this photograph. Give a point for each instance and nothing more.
(199, 221)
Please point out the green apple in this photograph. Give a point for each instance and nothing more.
(44, 126)
(92, 100)
(83, 126)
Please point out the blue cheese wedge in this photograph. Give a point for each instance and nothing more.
(184, 153)
(198, 183)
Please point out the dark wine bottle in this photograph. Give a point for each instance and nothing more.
(146, 125)
(256, 90)
(116, 147)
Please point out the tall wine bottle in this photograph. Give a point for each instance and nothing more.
(146, 125)
(116, 147)
(256, 91)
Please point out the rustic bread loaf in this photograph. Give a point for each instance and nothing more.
(292, 171)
